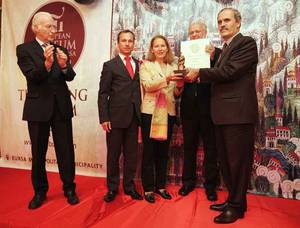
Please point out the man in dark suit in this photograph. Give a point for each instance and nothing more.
(46, 67)
(196, 121)
(234, 111)
(119, 101)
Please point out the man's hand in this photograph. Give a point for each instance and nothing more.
(210, 49)
(192, 75)
(62, 58)
(48, 54)
(106, 126)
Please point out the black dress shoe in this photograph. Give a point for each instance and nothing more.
(149, 197)
(110, 196)
(134, 195)
(219, 206)
(185, 190)
(229, 215)
(37, 200)
(71, 196)
(211, 195)
(164, 194)
(222, 207)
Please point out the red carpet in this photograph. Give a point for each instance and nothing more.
(180, 212)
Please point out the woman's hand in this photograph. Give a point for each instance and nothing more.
(174, 77)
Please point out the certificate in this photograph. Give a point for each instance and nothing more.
(194, 53)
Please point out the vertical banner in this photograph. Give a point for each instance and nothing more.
(84, 29)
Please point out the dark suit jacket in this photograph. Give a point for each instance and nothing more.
(119, 96)
(42, 85)
(196, 96)
(233, 99)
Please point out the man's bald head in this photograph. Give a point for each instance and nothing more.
(197, 30)
(44, 26)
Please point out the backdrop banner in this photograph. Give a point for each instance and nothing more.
(84, 29)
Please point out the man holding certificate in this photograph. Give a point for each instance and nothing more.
(195, 114)
(234, 111)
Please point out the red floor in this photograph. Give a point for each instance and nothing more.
(180, 212)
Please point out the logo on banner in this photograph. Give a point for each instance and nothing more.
(70, 28)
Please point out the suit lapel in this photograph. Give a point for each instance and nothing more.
(226, 53)
(169, 69)
(38, 50)
(158, 68)
(137, 68)
(122, 67)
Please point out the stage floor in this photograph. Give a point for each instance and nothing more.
(180, 212)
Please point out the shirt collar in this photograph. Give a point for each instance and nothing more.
(123, 56)
(229, 40)
(39, 41)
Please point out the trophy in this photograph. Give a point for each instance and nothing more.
(181, 68)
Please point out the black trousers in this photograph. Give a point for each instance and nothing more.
(63, 143)
(122, 140)
(155, 156)
(193, 127)
(235, 144)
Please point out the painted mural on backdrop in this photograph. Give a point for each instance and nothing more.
(275, 25)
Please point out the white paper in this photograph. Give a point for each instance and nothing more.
(195, 54)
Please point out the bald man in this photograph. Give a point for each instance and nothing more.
(46, 67)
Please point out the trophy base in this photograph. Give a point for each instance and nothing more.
(182, 72)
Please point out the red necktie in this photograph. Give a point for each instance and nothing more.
(129, 66)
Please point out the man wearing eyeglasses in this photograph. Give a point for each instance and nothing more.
(46, 67)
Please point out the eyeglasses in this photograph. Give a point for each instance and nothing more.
(51, 27)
